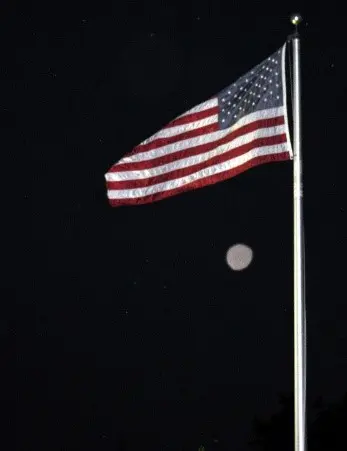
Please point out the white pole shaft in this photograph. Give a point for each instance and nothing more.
(299, 274)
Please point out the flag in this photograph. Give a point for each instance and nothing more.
(245, 125)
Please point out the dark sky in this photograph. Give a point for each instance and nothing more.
(132, 331)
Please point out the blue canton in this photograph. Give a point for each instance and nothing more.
(259, 89)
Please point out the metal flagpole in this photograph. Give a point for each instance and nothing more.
(299, 269)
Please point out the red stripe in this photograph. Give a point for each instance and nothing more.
(233, 153)
(201, 182)
(196, 150)
(188, 118)
(161, 142)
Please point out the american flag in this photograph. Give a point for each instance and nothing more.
(245, 125)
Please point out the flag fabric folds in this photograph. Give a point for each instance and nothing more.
(245, 125)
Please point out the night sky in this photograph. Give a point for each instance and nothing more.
(132, 331)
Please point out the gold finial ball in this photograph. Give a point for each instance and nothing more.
(296, 19)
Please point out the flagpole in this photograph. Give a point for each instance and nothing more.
(299, 269)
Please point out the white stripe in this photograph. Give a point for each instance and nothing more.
(196, 159)
(203, 139)
(284, 87)
(172, 131)
(207, 172)
(176, 147)
(212, 103)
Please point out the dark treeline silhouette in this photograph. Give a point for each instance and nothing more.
(326, 430)
(326, 427)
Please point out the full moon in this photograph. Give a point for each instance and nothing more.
(239, 257)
